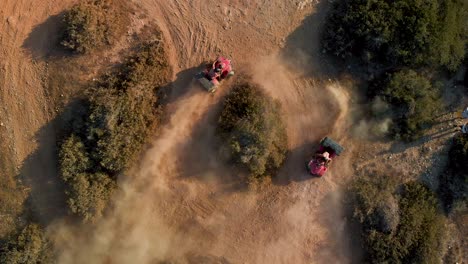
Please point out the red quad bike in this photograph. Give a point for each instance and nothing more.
(318, 165)
(213, 74)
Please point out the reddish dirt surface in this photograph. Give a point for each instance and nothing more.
(36, 81)
(183, 203)
(26, 107)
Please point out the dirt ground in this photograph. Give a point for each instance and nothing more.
(181, 203)
(37, 78)
(26, 108)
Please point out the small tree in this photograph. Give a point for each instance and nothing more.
(73, 157)
(399, 226)
(88, 194)
(91, 25)
(30, 246)
(121, 113)
(88, 190)
(251, 128)
(396, 33)
(415, 102)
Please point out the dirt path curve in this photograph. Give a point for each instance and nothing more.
(183, 203)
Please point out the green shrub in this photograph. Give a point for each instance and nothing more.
(402, 32)
(123, 108)
(373, 195)
(119, 124)
(88, 191)
(414, 100)
(88, 194)
(12, 197)
(251, 128)
(148, 67)
(73, 158)
(417, 233)
(30, 246)
(93, 24)
(454, 181)
(121, 114)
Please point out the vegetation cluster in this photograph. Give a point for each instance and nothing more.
(94, 24)
(405, 42)
(252, 130)
(415, 101)
(29, 246)
(400, 223)
(105, 138)
(398, 33)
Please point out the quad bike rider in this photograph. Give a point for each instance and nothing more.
(214, 73)
(322, 158)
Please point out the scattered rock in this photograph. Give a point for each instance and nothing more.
(427, 149)
(11, 21)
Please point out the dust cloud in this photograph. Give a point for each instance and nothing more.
(182, 203)
(135, 230)
(377, 125)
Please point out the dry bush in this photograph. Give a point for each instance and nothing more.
(29, 246)
(414, 102)
(94, 24)
(12, 192)
(399, 224)
(121, 113)
(252, 130)
(398, 33)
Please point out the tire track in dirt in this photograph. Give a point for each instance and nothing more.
(26, 108)
(182, 201)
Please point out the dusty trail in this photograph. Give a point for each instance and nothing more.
(182, 203)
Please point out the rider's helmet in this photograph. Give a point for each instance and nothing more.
(326, 155)
(221, 66)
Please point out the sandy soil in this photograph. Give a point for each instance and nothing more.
(36, 81)
(26, 107)
(182, 202)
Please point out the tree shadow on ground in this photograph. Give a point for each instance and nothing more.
(201, 157)
(181, 86)
(302, 50)
(40, 171)
(44, 40)
(432, 176)
(401, 146)
(336, 215)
